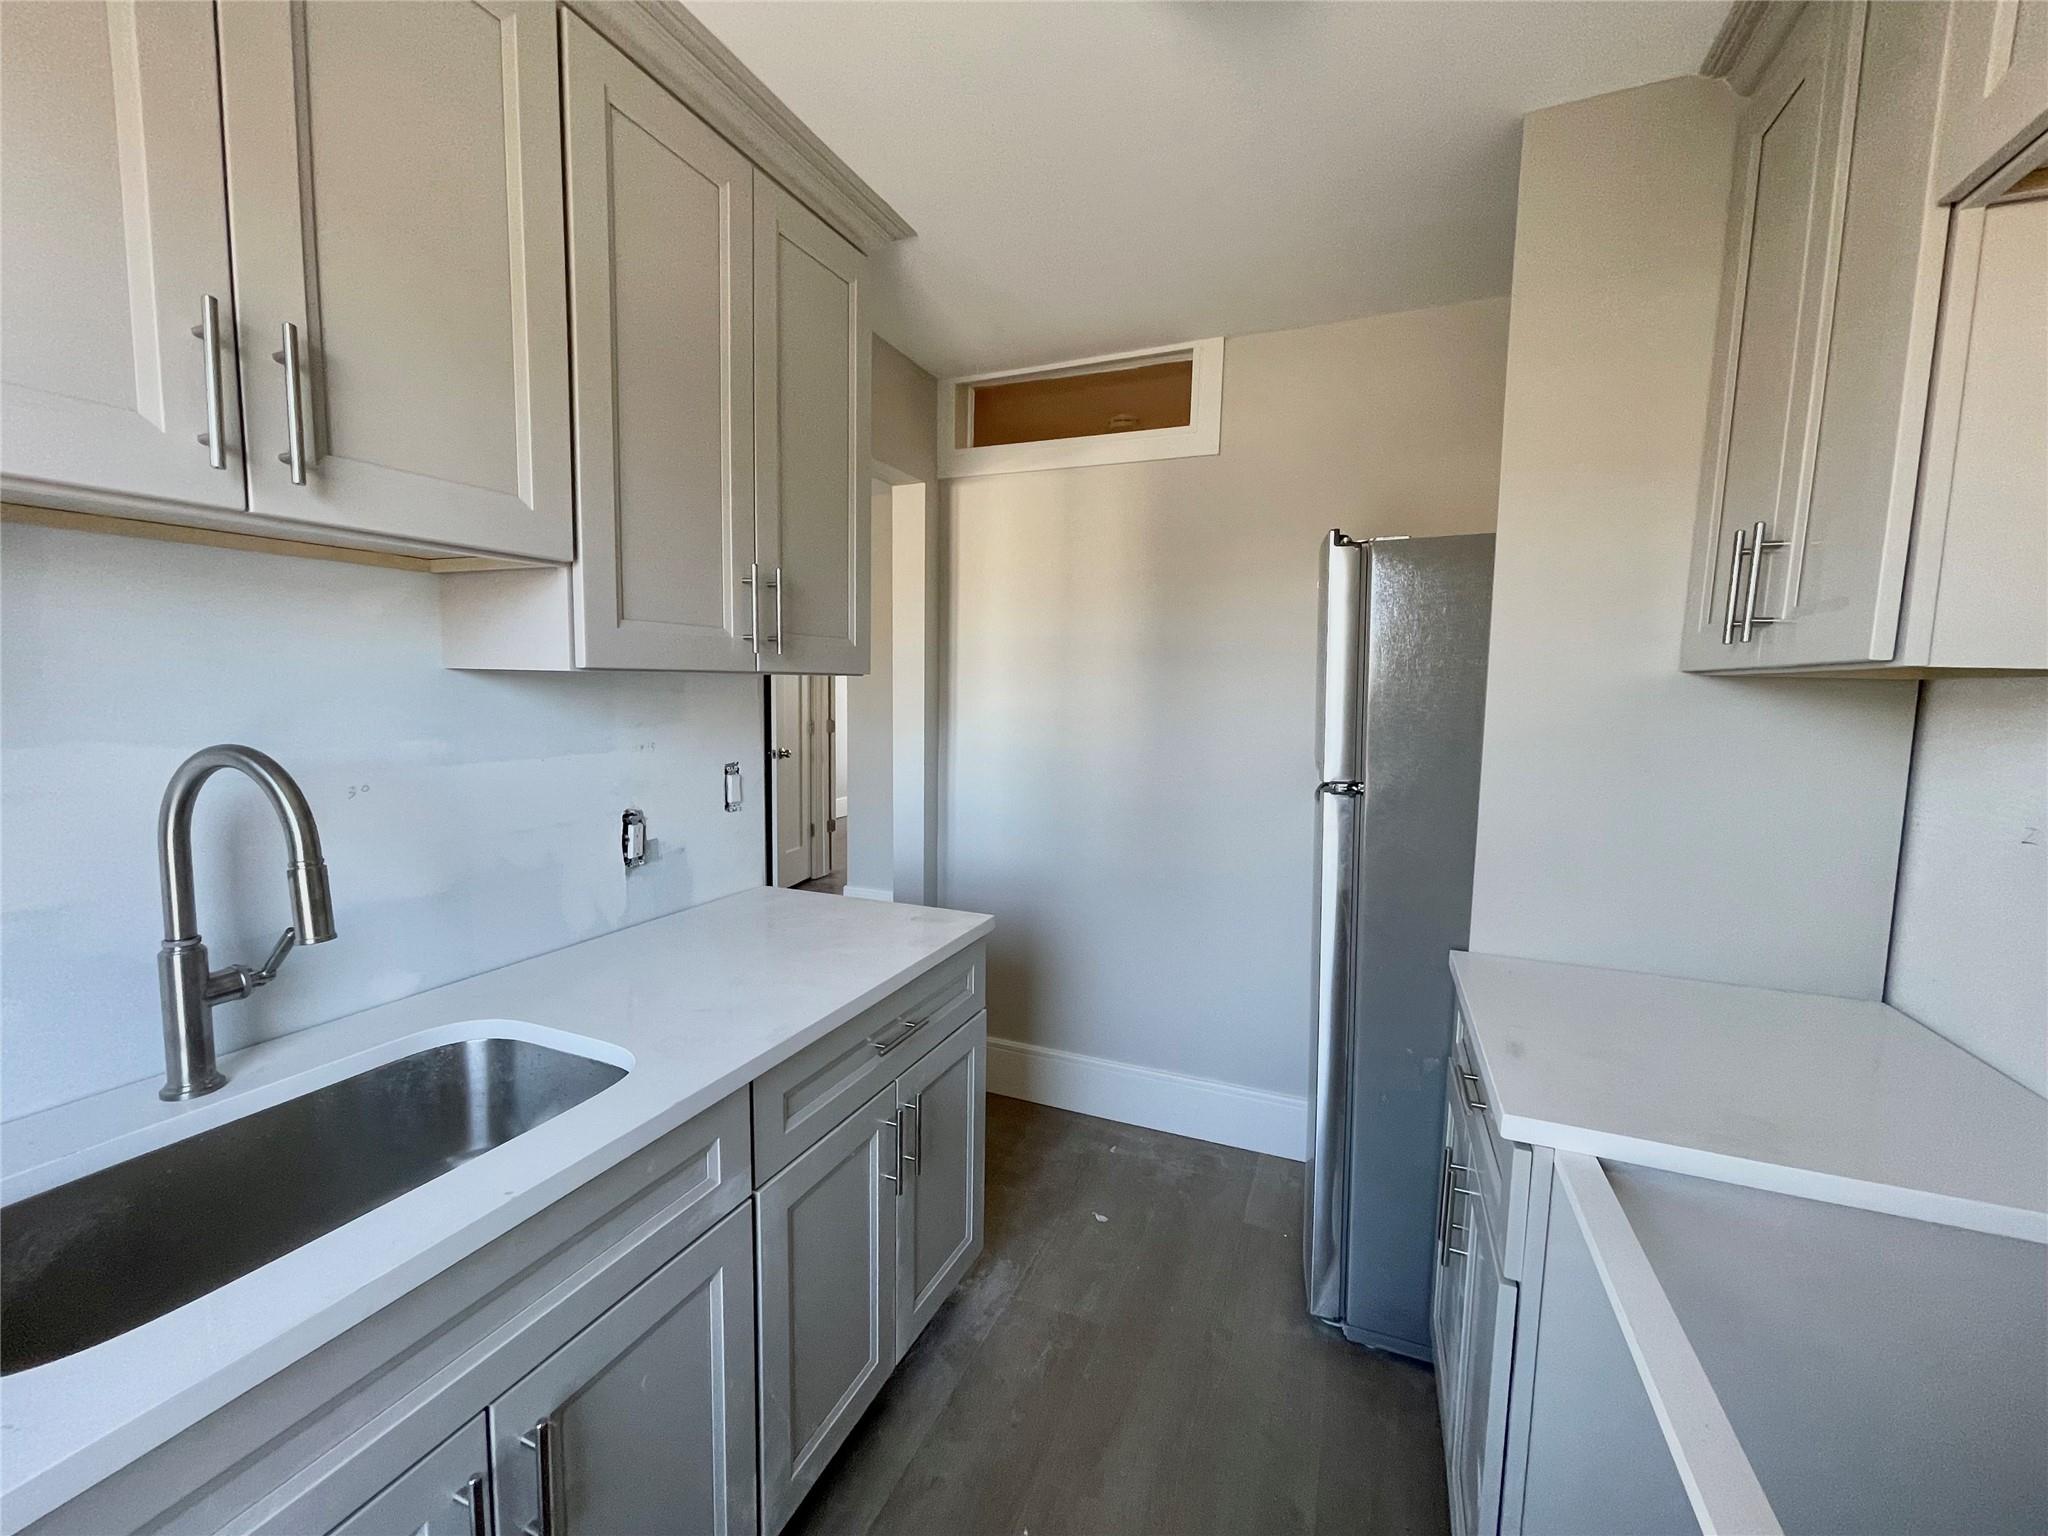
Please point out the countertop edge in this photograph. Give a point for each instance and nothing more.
(1675, 1157)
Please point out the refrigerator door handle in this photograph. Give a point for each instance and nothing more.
(1326, 1189)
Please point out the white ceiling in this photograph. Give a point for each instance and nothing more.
(1096, 177)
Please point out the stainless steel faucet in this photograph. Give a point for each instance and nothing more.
(189, 989)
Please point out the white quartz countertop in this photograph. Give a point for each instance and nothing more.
(1828, 1098)
(1814, 1366)
(695, 1005)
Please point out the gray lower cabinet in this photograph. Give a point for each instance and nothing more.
(1547, 1429)
(1488, 1325)
(827, 1297)
(446, 1494)
(1492, 1220)
(940, 1106)
(862, 1239)
(644, 1422)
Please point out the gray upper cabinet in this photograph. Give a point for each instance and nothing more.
(1785, 221)
(811, 424)
(644, 1422)
(721, 407)
(446, 1494)
(1982, 531)
(395, 189)
(1847, 520)
(1994, 104)
(827, 1297)
(940, 1105)
(116, 250)
(661, 232)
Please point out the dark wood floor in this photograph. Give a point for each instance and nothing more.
(1130, 1358)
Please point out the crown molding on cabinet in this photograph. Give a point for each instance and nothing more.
(681, 53)
(1749, 36)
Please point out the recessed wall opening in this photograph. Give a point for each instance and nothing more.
(1161, 402)
(1135, 396)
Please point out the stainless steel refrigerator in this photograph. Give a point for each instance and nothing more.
(1401, 689)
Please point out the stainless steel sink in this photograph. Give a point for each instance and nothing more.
(91, 1259)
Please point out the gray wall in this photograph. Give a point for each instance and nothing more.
(1970, 941)
(867, 734)
(1129, 705)
(1630, 815)
(469, 819)
(904, 413)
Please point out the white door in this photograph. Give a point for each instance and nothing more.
(787, 760)
(395, 183)
(819, 784)
(811, 433)
(116, 243)
(660, 240)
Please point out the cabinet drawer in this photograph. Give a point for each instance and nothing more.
(798, 1102)
(1489, 1155)
(1507, 1175)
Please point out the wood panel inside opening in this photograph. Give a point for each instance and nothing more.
(1140, 399)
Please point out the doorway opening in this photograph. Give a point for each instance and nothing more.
(852, 760)
(808, 798)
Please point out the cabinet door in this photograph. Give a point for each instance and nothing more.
(811, 431)
(660, 255)
(828, 1298)
(117, 241)
(395, 184)
(447, 1493)
(1994, 98)
(1981, 540)
(644, 1422)
(938, 1230)
(1487, 1356)
(1450, 1315)
(1784, 232)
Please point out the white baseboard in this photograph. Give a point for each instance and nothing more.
(869, 893)
(1201, 1107)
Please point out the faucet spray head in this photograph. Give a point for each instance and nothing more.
(312, 903)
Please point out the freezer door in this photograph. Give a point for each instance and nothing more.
(1339, 809)
(1340, 661)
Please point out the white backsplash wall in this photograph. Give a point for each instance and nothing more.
(1970, 940)
(469, 819)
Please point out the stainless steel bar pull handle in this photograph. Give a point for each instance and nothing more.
(896, 1034)
(752, 582)
(1757, 545)
(1476, 1105)
(894, 1123)
(294, 454)
(208, 332)
(907, 1133)
(543, 1439)
(474, 1499)
(779, 626)
(1734, 582)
